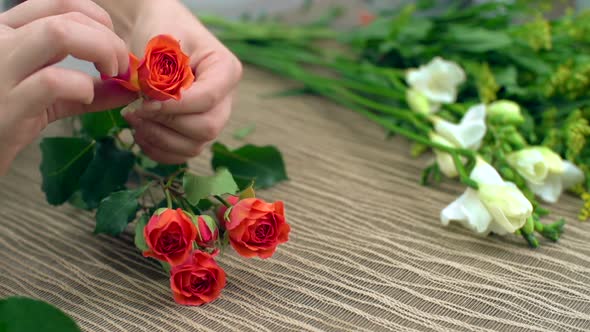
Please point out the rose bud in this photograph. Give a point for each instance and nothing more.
(208, 232)
(256, 227)
(222, 209)
(170, 236)
(165, 69)
(198, 280)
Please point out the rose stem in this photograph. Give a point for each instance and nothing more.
(222, 201)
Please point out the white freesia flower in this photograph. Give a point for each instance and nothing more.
(530, 163)
(438, 80)
(444, 160)
(545, 172)
(469, 132)
(497, 206)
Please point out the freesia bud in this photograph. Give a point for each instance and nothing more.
(444, 160)
(419, 103)
(505, 111)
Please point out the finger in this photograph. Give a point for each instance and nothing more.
(160, 155)
(108, 95)
(164, 138)
(32, 10)
(202, 127)
(49, 40)
(42, 89)
(217, 74)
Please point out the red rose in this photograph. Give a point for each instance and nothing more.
(165, 69)
(198, 280)
(208, 232)
(256, 227)
(170, 236)
(222, 209)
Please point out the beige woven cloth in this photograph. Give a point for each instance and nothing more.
(367, 251)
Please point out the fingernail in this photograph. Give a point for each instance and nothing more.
(151, 106)
(115, 72)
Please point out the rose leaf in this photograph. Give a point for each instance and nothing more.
(262, 164)
(197, 188)
(102, 124)
(107, 172)
(116, 211)
(140, 242)
(64, 160)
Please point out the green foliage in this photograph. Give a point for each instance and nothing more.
(116, 211)
(197, 188)
(19, 314)
(107, 172)
(64, 160)
(99, 125)
(139, 238)
(263, 165)
(243, 132)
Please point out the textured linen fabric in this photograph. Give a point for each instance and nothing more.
(367, 251)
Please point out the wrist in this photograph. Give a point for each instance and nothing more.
(123, 13)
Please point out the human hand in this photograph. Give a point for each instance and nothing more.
(33, 93)
(174, 131)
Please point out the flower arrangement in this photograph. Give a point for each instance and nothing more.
(184, 220)
(496, 90)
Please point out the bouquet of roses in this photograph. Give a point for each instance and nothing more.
(497, 91)
(183, 220)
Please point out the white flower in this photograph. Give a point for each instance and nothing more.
(469, 132)
(438, 80)
(545, 172)
(497, 206)
(530, 163)
(444, 160)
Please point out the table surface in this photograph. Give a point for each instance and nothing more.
(367, 251)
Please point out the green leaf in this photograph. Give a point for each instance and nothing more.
(197, 188)
(116, 211)
(165, 266)
(248, 192)
(102, 124)
(77, 201)
(251, 163)
(19, 314)
(139, 235)
(167, 170)
(477, 40)
(64, 160)
(244, 132)
(107, 172)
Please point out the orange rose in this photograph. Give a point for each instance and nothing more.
(165, 69)
(256, 227)
(170, 236)
(130, 79)
(198, 280)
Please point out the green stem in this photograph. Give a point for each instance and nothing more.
(168, 198)
(222, 201)
(454, 152)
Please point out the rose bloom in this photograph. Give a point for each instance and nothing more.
(198, 280)
(256, 227)
(170, 236)
(208, 232)
(130, 79)
(165, 70)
